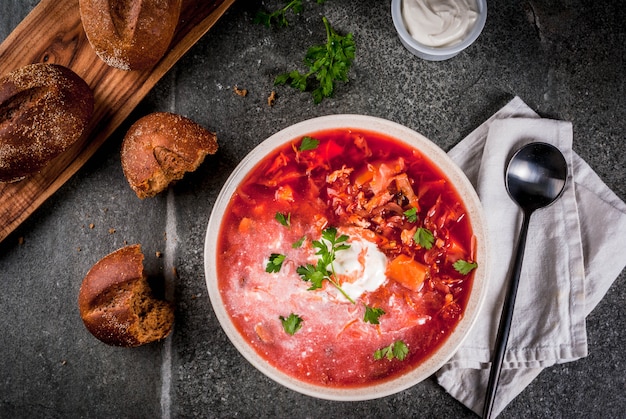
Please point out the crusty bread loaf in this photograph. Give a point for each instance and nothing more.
(116, 302)
(44, 109)
(130, 34)
(160, 148)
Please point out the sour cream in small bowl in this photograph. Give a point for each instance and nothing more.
(437, 30)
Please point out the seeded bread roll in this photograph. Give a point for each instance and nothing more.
(117, 305)
(160, 148)
(130, 34)
(44, 109)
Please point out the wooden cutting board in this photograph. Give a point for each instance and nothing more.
(53, 33)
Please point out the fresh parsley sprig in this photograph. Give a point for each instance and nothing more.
(315, 274)
(326, 250)
(278, 17)
(328, 63)
(397, 349)
(336, 243)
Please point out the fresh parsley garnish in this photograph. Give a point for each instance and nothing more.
(309, 143)
(372, 314)
(424, 238)
(315, 274)
(278, 17)
(275, 263)
(326, 249)
(328, 63)
(397, 349)
(411, 215)
(291, 324)
(298, 244)
(283, 219)
(464, 267)
(336, 244)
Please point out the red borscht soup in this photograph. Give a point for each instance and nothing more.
(345, 258)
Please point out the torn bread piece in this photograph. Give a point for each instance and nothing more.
(117, 304)
(160, 148)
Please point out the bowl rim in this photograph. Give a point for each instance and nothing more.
(435, 53)
(429, 150)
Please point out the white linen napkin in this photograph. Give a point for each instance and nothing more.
(569, 262)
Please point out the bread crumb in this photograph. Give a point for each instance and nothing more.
(78, 249)
(158, 254)
(271, 98)
(240, 92)
(20, 241)
(91, 226)
(111, 230)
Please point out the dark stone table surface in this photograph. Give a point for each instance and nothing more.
(565, 59)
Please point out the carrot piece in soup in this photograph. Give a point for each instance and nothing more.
(455, 250)
(365, 176)
(279, 162)
(264, 333)
(407, 272)
(245, 225)
(284, 193)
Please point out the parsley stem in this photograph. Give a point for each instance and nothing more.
(332, 268)
(328, 30)
(340, 289)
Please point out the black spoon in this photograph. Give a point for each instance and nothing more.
(535, 178)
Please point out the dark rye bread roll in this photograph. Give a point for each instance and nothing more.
(160, 148)
(44, 109)
(116, 302)
(130, 34)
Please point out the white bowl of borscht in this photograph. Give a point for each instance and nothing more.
(346, 257)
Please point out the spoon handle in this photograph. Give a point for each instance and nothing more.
(505, 320)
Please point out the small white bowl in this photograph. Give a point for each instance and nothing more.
(436, 53)
(428, 149)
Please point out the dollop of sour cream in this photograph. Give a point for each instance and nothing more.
(364, 264)
(439, 23)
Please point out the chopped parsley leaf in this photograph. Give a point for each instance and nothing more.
(291, 324)
(424, 237)
(464, 267)
(275, 263)
(298, 244)
(397, 349)
(372, 314)
(411, 215)
(283, 219)
(309, 143)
